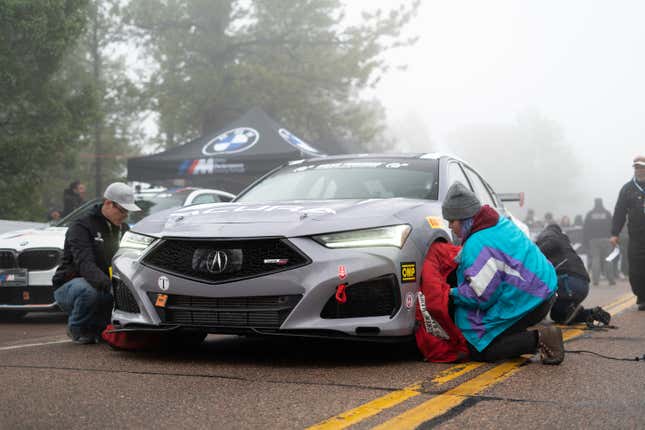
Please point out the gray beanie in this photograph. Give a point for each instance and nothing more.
(459, 203)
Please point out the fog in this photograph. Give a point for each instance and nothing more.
(578, 64)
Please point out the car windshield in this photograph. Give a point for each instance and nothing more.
(348, 179)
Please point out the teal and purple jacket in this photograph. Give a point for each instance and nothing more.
(501, 276)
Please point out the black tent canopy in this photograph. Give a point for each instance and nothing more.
(228, 159)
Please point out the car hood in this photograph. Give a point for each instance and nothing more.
(288, 219)
(48, 237)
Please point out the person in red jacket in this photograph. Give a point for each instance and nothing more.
(437, 336)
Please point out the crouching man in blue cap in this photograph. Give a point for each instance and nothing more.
(505, 284)
(82, 280)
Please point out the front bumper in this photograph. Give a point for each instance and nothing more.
(37, 295)
(284, 303)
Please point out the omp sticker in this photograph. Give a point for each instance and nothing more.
(161, 300)
(409, 300)
(408, 272)
(163, 283)
(435, 222)
(25, 296)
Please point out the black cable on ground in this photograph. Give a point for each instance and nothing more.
(584, 351)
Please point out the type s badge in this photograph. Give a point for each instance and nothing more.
(409, 272)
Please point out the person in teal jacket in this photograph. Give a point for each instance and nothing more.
(505, 284)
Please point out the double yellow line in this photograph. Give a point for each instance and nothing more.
(442, 403)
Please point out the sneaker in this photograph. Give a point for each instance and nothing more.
(85, 340)
(550, 344)
(575, 311)
(80, 339)
(641, 306)
(600, 315)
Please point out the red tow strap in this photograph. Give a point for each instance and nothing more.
(341, 296)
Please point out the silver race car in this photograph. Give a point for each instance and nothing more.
(328, 247)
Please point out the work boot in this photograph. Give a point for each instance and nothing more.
(550, 344)
(600, 315)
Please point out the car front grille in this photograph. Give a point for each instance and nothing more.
(376, 297)
(31, 259)
(8, 260)
(241, 259)
(123, 298)
(238, 312)
(39, 259)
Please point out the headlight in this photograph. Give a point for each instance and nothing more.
(394, 235)
(135, 242)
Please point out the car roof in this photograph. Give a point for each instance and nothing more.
(419, 155)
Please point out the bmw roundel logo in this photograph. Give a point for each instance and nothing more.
(232, 141)
(296, 142)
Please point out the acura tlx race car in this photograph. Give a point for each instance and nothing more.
(328, 247)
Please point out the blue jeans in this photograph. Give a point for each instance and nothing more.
(571, 292)
(88, 309)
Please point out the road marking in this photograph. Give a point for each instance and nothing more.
(29, 345)
(369, 409)
(442, 403)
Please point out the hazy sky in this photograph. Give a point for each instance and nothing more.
(579, 63)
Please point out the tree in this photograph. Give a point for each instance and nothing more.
(300, 60)
(115, 126)
(530, 155)
(41, 119)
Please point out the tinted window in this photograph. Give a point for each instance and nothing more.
(348, 179)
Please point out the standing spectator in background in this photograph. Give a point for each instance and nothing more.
(53, 215)
(565, 221)
(596, 233)
(631, 207)
(73, 197)
(548, 219)
(530, 218)
(623, 244)
(577, 221)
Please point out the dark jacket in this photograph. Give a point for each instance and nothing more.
(555, 245)
(630, 206)
(90, 244)
(71, 201)
(597, 225)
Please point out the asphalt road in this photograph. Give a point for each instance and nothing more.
(233, 382)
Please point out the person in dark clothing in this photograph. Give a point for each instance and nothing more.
(573, 279)
(73, 197)
(82, 280)
(630, 207)
(596, 233)
(504, 284)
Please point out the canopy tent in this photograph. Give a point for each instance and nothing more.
(228, 159)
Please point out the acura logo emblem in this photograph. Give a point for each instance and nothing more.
(217, 261)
